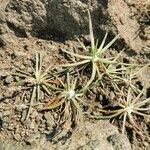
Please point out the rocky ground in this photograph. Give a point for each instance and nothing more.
(48, 26)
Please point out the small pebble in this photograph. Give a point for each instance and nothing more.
(23, 133)
(32, 125)
(33, 115)
(29, 70)
(20, 107)
(1, 115)
(8, 79)
(17, 129)
(22, 67)
(11, 126)
(17, 137)
(112, 95)
(7, 113)
(42, 125)
(5, 125)
(100, 97)
(38, 118)
(146, 144)
(33, 138)
(23, 115)
(42, 139)
(48, 117)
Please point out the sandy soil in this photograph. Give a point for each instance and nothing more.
(49, 26)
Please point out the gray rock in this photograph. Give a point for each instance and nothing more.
(12, 145)
(8, 79)
(100, 135)
(26, 16)
(66, 19)
(119, 142)
(5, 125)
(33, 138)
(97, 136)
(49, 120)
(17, 137)
(1, 115)
(61, 18)
(71, 16)
(7, 113)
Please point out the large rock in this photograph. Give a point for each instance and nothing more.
(65, 18)
(126, 24)
(100, 135)
(26, 16)
(94, 136)
(70, 16)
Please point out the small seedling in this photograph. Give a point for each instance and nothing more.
(130, 74)
(69, 99)
(129, 107)
(95, 57)
(112, 73)
(37, 81)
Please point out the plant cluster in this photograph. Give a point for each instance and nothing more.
(37, 81)
(105, 73)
